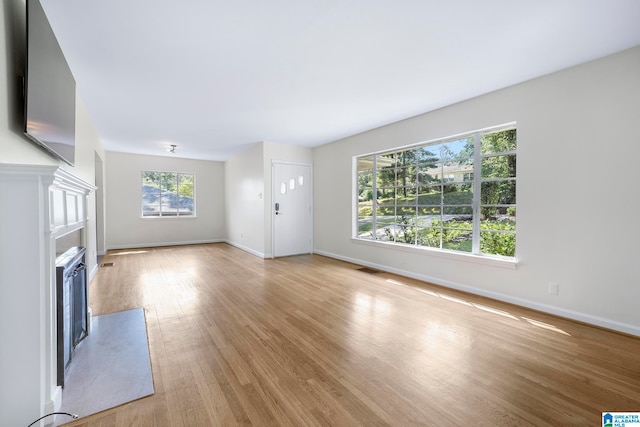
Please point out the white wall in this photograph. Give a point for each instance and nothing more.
(125, 227)
(245, 196)
(24, 400)
(577, 193)
(20, 150)
(87, 148)
(248, 192)
(16, 147)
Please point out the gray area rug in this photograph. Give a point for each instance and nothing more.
(110, 367)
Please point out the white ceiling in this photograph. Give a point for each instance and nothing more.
(214, 77)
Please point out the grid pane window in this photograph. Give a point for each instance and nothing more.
(432, 196)
(168, 194)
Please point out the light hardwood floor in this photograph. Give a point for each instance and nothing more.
(308, 340)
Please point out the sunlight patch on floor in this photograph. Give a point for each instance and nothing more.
(545, 326)
(485, 308)
(129, 253)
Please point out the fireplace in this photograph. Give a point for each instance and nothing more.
(71, 306)
(41, 205)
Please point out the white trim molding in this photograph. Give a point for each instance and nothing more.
(546, 308)
(162, 244)
(39, 205)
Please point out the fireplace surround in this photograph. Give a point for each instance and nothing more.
(41, 206)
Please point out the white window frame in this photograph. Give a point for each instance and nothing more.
(475, 255)
(177, 214)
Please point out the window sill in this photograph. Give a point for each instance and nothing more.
(167, 217)
(509, 263)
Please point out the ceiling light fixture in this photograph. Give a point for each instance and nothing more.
(172, 149)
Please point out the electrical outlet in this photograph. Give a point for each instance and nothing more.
(554, 288)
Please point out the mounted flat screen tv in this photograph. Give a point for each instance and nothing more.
(50, 89)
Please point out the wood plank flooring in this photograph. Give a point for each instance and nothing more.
(312, 341)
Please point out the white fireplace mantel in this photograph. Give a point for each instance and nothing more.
(38, 204)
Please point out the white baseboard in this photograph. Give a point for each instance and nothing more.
(557, 311)
(160, 244)
(246, 249)
(53, 405)
(92, 273)
(191, 242)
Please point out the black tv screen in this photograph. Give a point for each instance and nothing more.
(50, 89)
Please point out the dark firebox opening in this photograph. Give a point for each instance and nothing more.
(71, 306)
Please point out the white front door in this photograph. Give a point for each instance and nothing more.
(292, 214)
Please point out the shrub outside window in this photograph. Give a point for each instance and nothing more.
(168, 194)
(455, 194)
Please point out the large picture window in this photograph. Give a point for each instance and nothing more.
(456, 194)
(168, 194)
